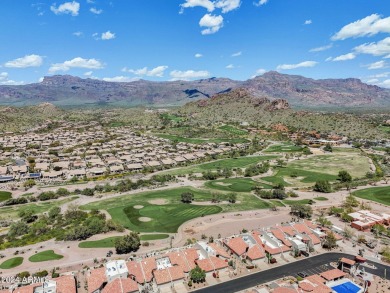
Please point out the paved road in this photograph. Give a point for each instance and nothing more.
(287, 270)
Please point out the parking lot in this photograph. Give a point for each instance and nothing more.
(312, 271)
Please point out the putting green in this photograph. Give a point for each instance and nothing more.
(46, 255)
(283, 148)
(11, 263)
(168, 217)
(235, 184)
(5, 195)
(378, 194)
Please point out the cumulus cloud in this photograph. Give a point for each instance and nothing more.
(26, 61)
(298, 65)
(377, 65)
(66, 8)
(94, 10)
(198, 3)
(77, 62)
(189, 74)
(323, 48)
(78, 34)
(198, 55)
(344, 57)
(4, 80)
(309, 21)
(154, 72)
(237, 54)
(107, 36)
(228, 5)
(213, 23)
(261, 2)
(368, 26)
(230, 66)
(119, 79)
(377, 49)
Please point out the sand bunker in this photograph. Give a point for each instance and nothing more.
(144, 219)
(158, 201)
(138, 207)
(223, 183)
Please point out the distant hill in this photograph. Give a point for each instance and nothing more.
(298, 91)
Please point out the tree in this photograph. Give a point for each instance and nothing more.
(128, 243)
(328, 148)
(18, 229)
(301, 210)
(279, 193)
(349, 233)
(29, 183)
(27, 215)
(197, 275)
(324, 222)
(63, 192)
(350, 202)
(330, 241)
(344, 176)
(54, 212)
(187, 197)
(232, 197)
(322, 186)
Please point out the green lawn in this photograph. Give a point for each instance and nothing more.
(11, 212)
(200, 140)
(45, 256)
(233, 130)
(298, 201)
(109, 242)
(378, 194)
(5, 195)
(283, 148)
(102, 243)
(321, 198)
(151, 237)
(164, 209)
(11, 263)
(240, 162)
(235, 184)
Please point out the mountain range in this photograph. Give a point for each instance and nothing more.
(298, 91)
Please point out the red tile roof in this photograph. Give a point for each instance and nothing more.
(347, 261)
(169, 274)
(96, 279)
(332, 274)
(148, 265)
(237, 245)
(220, 251)
(66, 284)
(135, 270)
(121, 286)
(280, 235)
(255, 252)
(284, 290)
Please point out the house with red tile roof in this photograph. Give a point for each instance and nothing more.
(169, 275)
(333, 275)
(135, 271)
(120, 285)
(63, 284)
(237, 246)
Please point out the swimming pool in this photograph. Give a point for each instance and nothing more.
(347, 287)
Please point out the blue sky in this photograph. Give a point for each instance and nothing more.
(124, 40)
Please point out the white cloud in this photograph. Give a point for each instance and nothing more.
(377, 65)
(108, 36)
(323, 48)
(78, 34)
(261, 2)
(26, 61)
(344, 57)
(119, 79)
(309, 21)
(154, 72)
(198, 3)
(77, 62)
(385, 83)
(66, 8)
(293, 66)
(198, 55)
(380, 75)
(228, 5)
(189, 74)
(373, 80)
(94, 10)
(237, 54)
(260, 71)
(230, 66)
(212, 22)
(88, 73)
(377, 49)
(368, 26)
(4, 80)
